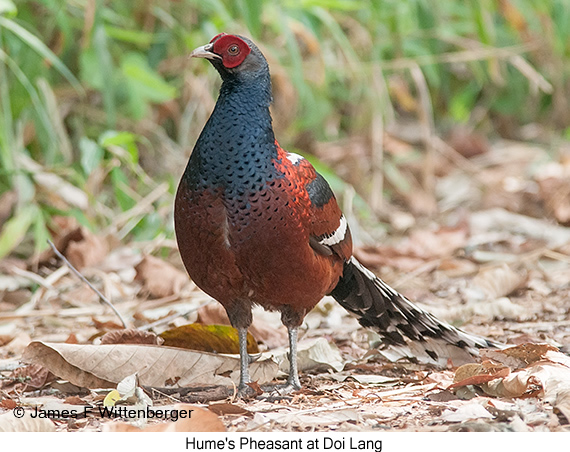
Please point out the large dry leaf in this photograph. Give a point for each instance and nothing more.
(466, 412)
(159, 278)
(477, 374)
(87, 249)
(32, 376)
(432, 244)
(10, 423)
(131, 336)
(518, 384)
(499, 281)
(520, 356)
(201, 420)
(103, 366)
(312, 354)
(539, 370)
(503, 221)
(79, 245)
(207, 338)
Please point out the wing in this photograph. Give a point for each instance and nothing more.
(329, 233)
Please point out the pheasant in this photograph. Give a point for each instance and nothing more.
(257, 225)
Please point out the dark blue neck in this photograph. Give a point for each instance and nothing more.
(235, 149)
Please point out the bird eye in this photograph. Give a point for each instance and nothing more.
(233, 49)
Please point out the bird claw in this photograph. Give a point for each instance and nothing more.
(245, 391)
(282, 390)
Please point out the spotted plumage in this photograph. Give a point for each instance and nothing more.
(257, 225)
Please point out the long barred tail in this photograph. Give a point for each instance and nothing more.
(405, 329)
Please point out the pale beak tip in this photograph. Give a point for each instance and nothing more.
(204, 52)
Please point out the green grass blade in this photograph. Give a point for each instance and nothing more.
(32, 92)
(39, 47)
(7, 121)
(106, 64)
(15, 229)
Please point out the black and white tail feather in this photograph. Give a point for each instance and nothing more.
(406, 330)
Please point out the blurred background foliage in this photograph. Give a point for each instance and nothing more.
(100, 105)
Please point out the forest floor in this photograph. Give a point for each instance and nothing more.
(494, 261)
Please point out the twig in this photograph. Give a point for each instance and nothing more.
(172, 317)
(102, 298)
(69, 312)
(32, 277)
(141, 207)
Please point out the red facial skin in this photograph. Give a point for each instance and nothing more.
(232, 49)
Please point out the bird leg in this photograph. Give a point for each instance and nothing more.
(244, 360)
(239, 313)
(293, 379)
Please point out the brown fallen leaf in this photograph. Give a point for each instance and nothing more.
(88, 251)
(430, 244)
(10, 423)
(465, 413)
(477, 374)
(562, 403)
(38, 353)
(457, 268)
(207, 338)
(17, 345)
(256, 388)
(381, 256)
(312, 354)
(108, 325)
(467, 142)
(422, 248)
(499, 281)
(33, 376)
(555, 192)
(74, 400)
(79, 245)
(8, 404)
(159, 278)
(508, 222)
(213, 314)
(71, 339)
(131, 336)
(103, 366)
(541, 371)
(225, 409)
(516, 385)
(200, 420)
(519, 356)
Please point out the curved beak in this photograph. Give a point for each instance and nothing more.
(205, 52)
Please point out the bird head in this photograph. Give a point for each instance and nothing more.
(232, 56)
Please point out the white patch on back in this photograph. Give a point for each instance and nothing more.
(338, 235)
(226, 232)
(294, 158)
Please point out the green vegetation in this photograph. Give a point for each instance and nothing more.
(99, 104)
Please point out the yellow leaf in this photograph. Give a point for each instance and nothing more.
(112, 398)
(207, 338)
